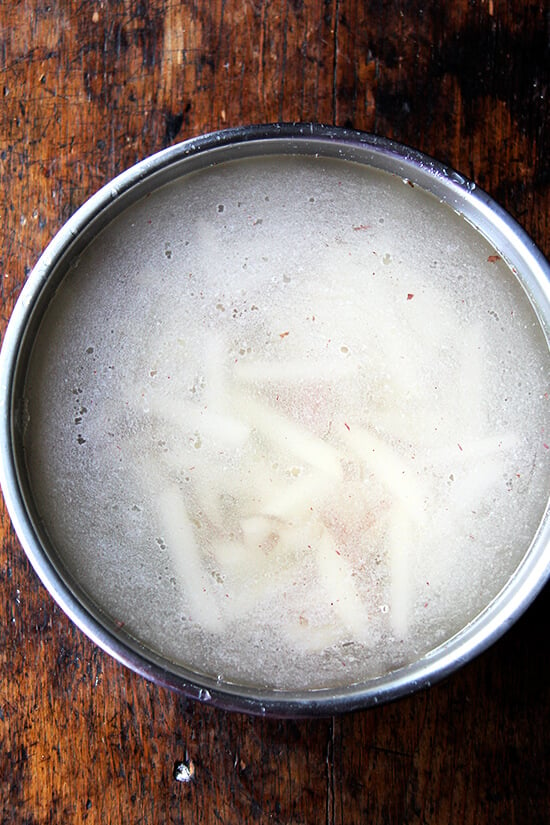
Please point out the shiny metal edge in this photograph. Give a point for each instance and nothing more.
(502, 231)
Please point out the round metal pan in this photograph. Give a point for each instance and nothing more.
(504, 234)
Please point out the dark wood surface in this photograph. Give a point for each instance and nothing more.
(87, 89)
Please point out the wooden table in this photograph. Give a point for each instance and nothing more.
(87, 89)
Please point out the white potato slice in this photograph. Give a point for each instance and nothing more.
(289, 436)
(312, 638)
(214, 426)
(399, 478)
(399, 538)
(179, 537)
(338, 582)
(256, 529)
(294, 371)
(300, 499)
(231, 555)
(471, 489)
(476, 448)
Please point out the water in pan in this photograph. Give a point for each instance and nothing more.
(287, 422)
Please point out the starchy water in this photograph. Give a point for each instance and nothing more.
(288, 422)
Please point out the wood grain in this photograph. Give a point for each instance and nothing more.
(87, 89)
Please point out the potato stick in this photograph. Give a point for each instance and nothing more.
(280, 546)
(180, 459)
(255, 530)
(467, 449)
(300, 499)
(312, 638)
(427, 427)
(207, 497)
(259, 575)
(290, 436)
(399, 538)
(293, 371)
(251, 577)
(336, 576)
(256, 485)
(178, 534)
(219, 427)
(235, 560)
(471, 489)
(392, 470)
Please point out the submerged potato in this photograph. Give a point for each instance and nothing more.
(290, 432)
